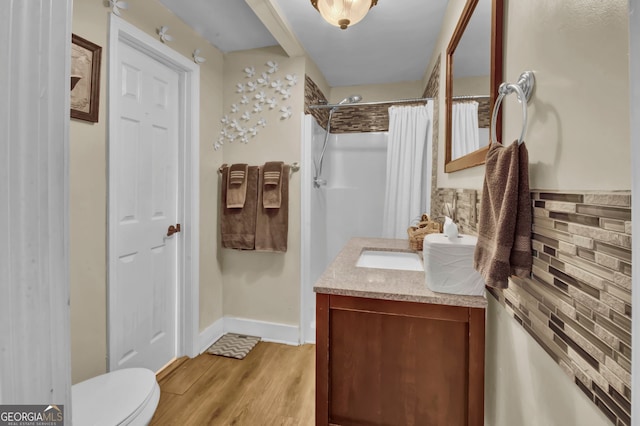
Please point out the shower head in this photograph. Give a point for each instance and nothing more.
(351, 100)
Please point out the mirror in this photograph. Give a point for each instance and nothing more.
(474, 72)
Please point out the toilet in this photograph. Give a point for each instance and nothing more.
(122, 397)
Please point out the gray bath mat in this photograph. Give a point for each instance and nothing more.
(233, 345)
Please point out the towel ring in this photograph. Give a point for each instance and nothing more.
(522, 88)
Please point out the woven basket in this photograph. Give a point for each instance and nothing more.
(417, 233)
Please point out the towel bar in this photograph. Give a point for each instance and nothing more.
(523, 88)
(294, 167)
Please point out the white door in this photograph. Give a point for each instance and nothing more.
(143, 285)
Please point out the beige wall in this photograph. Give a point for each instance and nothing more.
(578, 133)
(266, 286)
(471, 86)
(312, 70)
(634, 59)
(524, 385)
(88, 184)
(378, 92)
(87, 197)
(578, 136)
(578, 139)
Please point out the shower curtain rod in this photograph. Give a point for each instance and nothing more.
(462, 97)
(397, 101)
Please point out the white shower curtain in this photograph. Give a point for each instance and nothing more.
(408, 184)
(465, 137)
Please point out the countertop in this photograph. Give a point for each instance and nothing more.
(344, 278)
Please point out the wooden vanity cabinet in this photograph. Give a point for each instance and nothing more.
(382, 362)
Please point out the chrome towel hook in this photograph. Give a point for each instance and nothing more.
(522, 88)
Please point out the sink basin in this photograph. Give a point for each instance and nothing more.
(405, 261)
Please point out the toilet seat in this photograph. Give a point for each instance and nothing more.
(122, 397)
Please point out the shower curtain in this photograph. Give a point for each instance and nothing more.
(465, 137)
(408, 184)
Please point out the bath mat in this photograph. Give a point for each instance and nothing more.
(233, 345)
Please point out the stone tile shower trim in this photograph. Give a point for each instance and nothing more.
(356, 119)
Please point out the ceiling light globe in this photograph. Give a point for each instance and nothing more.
(343, 13)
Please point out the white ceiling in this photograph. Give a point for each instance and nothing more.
(229, 25)
(393, 43)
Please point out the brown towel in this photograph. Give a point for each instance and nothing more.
(504, 225)
(271, 192)
(238, 225)
(272, 225)
(236, 186)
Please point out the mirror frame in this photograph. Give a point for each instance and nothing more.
(475, 158)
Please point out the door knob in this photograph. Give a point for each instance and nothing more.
(173, 229)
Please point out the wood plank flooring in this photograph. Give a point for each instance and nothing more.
(273, 385)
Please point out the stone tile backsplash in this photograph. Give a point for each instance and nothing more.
(577, 303)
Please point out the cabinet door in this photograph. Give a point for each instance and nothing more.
(391, 363)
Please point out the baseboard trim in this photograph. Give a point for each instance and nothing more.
(310, 336)
(267, 331)
(211, 334)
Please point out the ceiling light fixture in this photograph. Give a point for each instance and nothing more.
(342, 13)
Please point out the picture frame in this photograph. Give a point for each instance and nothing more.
(85, 79)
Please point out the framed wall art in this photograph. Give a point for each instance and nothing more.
(85, 79)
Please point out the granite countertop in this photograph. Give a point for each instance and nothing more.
(344, 278)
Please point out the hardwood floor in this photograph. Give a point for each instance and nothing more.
(273, 385)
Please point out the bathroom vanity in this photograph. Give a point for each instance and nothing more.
(391, 352)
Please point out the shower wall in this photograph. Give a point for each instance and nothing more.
(355, 171)
(349, 205)
(318, 206)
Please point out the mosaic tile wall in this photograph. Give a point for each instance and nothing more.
(313, 96)
(466, 201)
(367, 118)
(484, 112)
(357, 119)
(577, 304)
